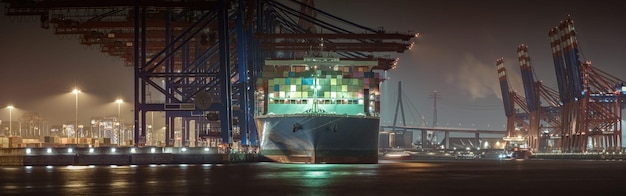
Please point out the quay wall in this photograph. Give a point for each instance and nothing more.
(582, 156)
(119, 156)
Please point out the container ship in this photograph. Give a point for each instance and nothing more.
(318, 110)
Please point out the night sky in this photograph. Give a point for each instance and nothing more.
(455, 55)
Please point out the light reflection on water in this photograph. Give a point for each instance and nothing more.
(124, 179)
(387, 177)
(316, 176)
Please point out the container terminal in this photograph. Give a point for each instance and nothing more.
(206, 59)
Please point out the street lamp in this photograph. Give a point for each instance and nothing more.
(119, 115)
(76, 92)
(10, 119)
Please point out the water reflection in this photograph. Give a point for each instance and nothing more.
(386, 178)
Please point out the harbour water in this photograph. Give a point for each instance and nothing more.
(414, 177)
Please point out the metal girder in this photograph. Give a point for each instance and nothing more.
(364, 47)
(542, 120)
(527, 78)
(602, 109)
(383, 63)
(549, 132)
(331, 36)
(225, 83)
(345, 42)
(65, 4)
(184, 63)
(154, 24)
(504, 88)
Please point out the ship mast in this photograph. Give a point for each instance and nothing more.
(316, 75)
(315, 89)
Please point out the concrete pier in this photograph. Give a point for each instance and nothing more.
(120, 156)
(582, 156)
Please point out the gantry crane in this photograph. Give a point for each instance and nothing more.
(592, 99)
(516, 111)
(585, 114)
(200, 58)
(160, 39)
(532, 100)
(543, 120)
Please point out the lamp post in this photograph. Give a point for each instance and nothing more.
(10, 119)
(76, 92)
(119, 115)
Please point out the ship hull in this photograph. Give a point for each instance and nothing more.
(319, 138)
